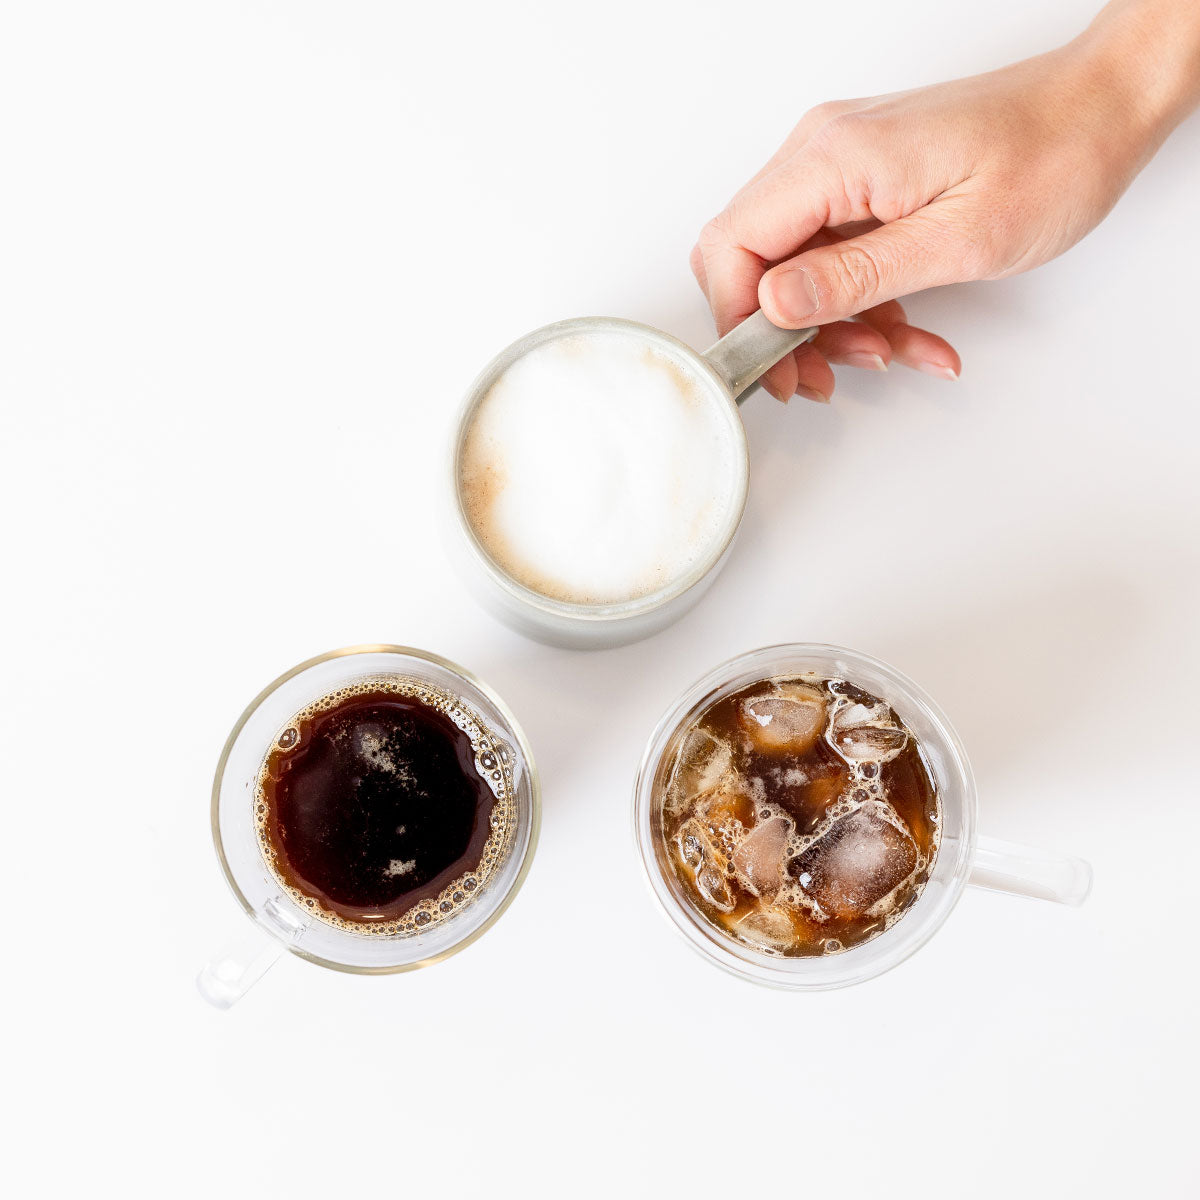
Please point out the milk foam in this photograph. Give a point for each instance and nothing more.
(596, 470)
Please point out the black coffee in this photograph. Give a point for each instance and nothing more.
(380, 811)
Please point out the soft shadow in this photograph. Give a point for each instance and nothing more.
(1059, 646)
(1007, 667)
(578, 708)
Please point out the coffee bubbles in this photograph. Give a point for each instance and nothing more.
(798, 815)
(597, 469)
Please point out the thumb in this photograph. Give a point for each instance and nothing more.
(831, 283)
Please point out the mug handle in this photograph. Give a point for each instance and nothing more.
(751, 348)
(1023, 871)
(248, 956)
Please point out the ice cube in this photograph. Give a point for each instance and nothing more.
(787, 720)
(866, 733)
(694, 844)
(875, 713)
(842, 687)
(767, 929)
(713, 885)
(759, 860)
(702, 763)
(708, 865)
(870, 743)
(854, 865)
(805, 693)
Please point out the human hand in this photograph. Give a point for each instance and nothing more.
(980, 178)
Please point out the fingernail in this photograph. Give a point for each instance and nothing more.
(860, 358)
(795, 295)
(812, 394)
(772, 390)
(937, 370)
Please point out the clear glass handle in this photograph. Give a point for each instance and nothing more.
(246, 958)
(751, 348)
(1023, 871)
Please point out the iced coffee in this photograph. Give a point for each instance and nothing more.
(798, 814)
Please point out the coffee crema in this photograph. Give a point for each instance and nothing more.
(798, 815)
(385, 806)
(597, 470)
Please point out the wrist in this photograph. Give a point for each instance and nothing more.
(1146, 55)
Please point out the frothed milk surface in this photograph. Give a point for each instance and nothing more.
(596, 471)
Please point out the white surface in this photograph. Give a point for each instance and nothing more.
(251, 254)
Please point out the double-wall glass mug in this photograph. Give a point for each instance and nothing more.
(963, 856)
(278, 921)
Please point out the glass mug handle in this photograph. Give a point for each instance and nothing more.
(751, 348)
(1023, 871)
(246, 958)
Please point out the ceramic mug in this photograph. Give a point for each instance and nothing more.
(722, 375)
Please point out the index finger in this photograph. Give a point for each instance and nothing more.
(760, 226)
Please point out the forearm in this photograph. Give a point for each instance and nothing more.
(1148, 51)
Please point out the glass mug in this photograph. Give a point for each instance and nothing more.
(279, 922)
(723, 374)
(963, 857)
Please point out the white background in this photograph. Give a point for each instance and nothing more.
(250, 256)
